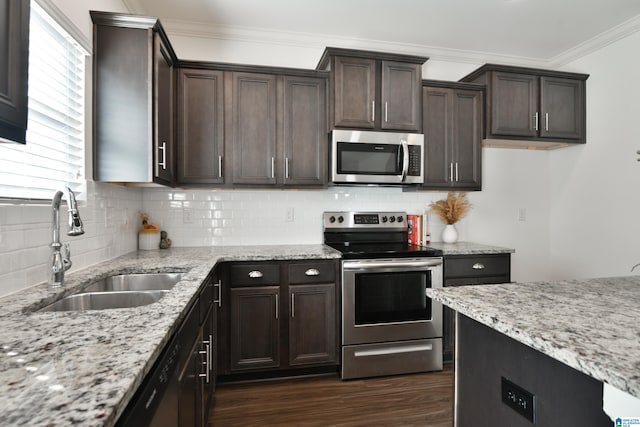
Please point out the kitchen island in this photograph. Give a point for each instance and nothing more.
(589, 327)
(83, 367)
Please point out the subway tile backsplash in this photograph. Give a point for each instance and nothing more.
(253, 217)
(108, 213)
(111, 214)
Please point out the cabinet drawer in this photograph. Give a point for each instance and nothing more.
(477, 265)
(255, 274)
(312, 272)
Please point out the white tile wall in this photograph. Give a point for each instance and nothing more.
(250, 217)
(110, 222)
(190, 217)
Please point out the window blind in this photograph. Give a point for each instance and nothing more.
(53, 156)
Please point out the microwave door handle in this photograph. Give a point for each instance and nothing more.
(405, 159)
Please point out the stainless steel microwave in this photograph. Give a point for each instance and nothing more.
(366, 157)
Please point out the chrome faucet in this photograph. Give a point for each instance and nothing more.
(59, 262)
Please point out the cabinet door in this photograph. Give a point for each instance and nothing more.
(401, 96)
(208, 363)
(354, 92)
(200, 127)
(14, 59)
(189, 389)
(254, 128)
(514, 104)
(467, 137)
(164, 89)
(305, 131)
(255, 327)
(437, 127)
(312, 327)
(562, 108)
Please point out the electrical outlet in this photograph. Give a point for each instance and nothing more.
(289, 216)
(187, 216)
(522, 214)
(519, 400)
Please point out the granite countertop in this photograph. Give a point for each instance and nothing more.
(469, 248)
(590, 325)
(82, 368)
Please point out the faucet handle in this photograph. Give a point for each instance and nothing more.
(66, 258)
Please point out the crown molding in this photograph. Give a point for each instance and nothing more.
(182, 28)
(598, 42)
(320, 41)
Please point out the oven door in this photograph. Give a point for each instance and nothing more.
(385, 300)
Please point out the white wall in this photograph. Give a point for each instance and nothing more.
(580, 203)
(109, 213)
(595, 189)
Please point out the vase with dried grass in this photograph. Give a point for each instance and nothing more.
(451, 210)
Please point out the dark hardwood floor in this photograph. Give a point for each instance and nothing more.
(405, 400)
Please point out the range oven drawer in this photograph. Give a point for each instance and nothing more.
(391, 358)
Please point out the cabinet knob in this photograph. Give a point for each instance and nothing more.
(255, 274)
(312, 272)
(478, 266)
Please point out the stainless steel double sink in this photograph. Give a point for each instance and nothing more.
(118, 291)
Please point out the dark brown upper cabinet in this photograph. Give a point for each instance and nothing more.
(373, 90)
(200, 141)
(252, 137)
(532, 108)
(304, 131)
(134, 97)
(251, 126)
(14, 63)
(452, 126)
(277, 132)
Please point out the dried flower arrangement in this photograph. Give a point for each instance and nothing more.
(453, 208)
(146, 224)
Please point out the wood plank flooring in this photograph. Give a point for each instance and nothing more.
(405, 400)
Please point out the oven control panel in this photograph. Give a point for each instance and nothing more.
(387, 220)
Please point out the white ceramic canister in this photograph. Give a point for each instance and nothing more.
(149, 238)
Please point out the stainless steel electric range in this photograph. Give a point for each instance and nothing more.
(389, 325)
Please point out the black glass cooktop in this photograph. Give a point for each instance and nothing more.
(384, 250)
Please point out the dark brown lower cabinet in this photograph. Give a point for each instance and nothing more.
(312, 325)
(279, 317)
(196, 368)
(461, 270)
(255, 327)
(493, 369)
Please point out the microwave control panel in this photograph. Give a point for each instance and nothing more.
(415, 160)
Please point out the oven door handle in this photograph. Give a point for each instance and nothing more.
(394, 265)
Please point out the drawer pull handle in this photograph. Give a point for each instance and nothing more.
(312, 272)
(255, 274)
(478, 266)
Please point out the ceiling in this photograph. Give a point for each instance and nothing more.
(543, 31)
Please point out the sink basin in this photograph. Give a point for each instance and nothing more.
(136, 282)
(105, 300)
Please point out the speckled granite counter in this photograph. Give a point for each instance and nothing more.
(82, 368)
(469, 248)
(591, 325)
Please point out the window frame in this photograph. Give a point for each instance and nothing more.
(75, 33)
